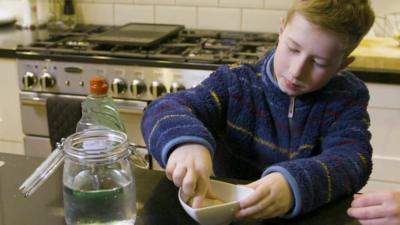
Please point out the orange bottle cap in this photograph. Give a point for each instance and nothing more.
(98, 85)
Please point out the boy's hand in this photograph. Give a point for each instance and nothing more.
(272, 197)
(190, 166)
(376, 208)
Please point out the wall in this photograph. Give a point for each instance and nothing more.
(248, 15)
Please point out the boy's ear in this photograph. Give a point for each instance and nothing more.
(347, 62)
(281, 25)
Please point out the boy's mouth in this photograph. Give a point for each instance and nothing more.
(291, 85)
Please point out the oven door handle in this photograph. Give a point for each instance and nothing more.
(33, 102)
(39, 99)
(123, 106)
(130, 106)
(33, 99)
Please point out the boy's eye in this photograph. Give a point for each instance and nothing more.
(320, 64)
(293, 50)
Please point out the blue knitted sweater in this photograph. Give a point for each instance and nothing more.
(242, 117)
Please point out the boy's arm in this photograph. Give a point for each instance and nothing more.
(189, 116)
(344, 165)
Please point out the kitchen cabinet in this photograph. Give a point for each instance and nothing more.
(384, 110)
(11, 136)
(378, 63)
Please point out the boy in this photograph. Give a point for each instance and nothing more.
(295, 122)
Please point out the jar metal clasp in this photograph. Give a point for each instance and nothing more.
(44, 171)
(139, 155)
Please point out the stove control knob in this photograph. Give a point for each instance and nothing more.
(47, 80)
(118, 86)
(29, 80)
(138, 87)
(157, 89)
(175, 87)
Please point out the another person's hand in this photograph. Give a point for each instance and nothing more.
(376, 208)
(272, 197)
(190, 166)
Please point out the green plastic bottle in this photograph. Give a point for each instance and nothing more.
(98, 109)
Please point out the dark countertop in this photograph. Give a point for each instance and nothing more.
(156, 199)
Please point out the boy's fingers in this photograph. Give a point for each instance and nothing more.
(252, 199)
(169, 170)
(371, 212)
(355, 196)
(189, 183)
(378, 221)
(178, 175)
(252, 185)
(368, 200)
(197, 200)
(211, 194)
(201, 191)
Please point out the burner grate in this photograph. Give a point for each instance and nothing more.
(189, 45)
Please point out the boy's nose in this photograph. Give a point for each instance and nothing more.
(298, 68)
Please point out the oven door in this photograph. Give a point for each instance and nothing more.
(35, 126)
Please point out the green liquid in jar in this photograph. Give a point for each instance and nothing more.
(115, 206)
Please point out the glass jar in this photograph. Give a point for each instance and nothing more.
(99, 185)
(98, 177)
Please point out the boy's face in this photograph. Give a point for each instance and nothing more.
(307, 57)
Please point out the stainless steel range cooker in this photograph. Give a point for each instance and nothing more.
(140, 61)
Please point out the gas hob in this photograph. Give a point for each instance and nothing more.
(184, 46)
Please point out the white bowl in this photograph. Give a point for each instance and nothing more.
(220, 214)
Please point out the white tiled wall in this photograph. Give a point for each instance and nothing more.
(249, 15)
(197, 2)
(97, 13)
(246, 15)
(261, 19)
(219, 18)
(274, 4)
(127, 13)
(185, 15)
(242, 4)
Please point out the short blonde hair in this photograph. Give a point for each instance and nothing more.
(350, 19)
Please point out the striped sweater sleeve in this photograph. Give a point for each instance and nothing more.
(190, 116)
